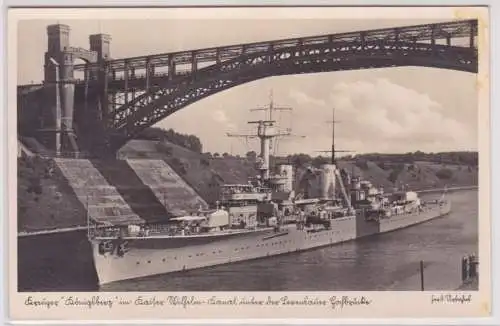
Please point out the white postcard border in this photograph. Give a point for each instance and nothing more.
(484, 184)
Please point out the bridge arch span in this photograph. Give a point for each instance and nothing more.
(157, 104)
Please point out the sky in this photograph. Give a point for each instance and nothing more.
(389, 110)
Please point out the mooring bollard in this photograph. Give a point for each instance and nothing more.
(465, 263)
(473, 266)
(421, 275)
(469, 268)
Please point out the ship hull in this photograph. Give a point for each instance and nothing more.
(402, 221)
(145, 257)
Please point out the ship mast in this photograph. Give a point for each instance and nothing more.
(334, 162)
(333, 150)
(266, 132)
(271, 108)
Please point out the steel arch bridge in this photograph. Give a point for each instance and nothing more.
(135, 93)
(394, 47)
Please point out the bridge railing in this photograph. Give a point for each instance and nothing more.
(137, 76)
(425, 32)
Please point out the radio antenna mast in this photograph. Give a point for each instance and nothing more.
(333, 150)
(266, 132)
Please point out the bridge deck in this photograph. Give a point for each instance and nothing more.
(454, 29)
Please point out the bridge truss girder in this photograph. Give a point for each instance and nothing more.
(154, 105)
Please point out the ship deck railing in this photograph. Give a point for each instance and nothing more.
(422, 209)
(153, 235)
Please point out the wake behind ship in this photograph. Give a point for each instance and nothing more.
(280, 211)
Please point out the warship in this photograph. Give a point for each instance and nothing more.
(282, 210)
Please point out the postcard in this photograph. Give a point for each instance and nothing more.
(248, 163)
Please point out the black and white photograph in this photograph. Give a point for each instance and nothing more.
(272, 153)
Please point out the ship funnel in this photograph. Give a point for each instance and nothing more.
(327, 181)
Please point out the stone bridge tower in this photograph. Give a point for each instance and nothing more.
(92, 102)
(100, 43)
(58, 128)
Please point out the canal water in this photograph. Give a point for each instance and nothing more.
(389, 261)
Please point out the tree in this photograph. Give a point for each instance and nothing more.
(204, 161)
(393, 176)
(444, 174)
(163, 147)
(346, 157)
(300, 159)
(195, 144)
(251, 156)
(35, 185)
(319, 160)
(178, 166)
(190, 142)
(362, 163)
(383, 165)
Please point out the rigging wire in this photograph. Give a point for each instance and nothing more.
(276, 143)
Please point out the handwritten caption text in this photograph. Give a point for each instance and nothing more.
(97, 301)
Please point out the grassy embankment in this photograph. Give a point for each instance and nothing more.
(45, 200)
(204, 171)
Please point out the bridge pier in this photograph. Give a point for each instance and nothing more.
(100, 44)
(97, 114)
(66, 125)
(57, 131)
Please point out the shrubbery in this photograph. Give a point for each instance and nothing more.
(187, 141)
(34, 169)
(362, 163)
(444, 174)
(178, 166)
(393, 176)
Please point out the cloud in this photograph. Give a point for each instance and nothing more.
(390, 117)
(302, 98)
(376, 114)
(220, 116)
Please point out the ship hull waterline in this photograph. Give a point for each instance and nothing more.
(156, 256)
